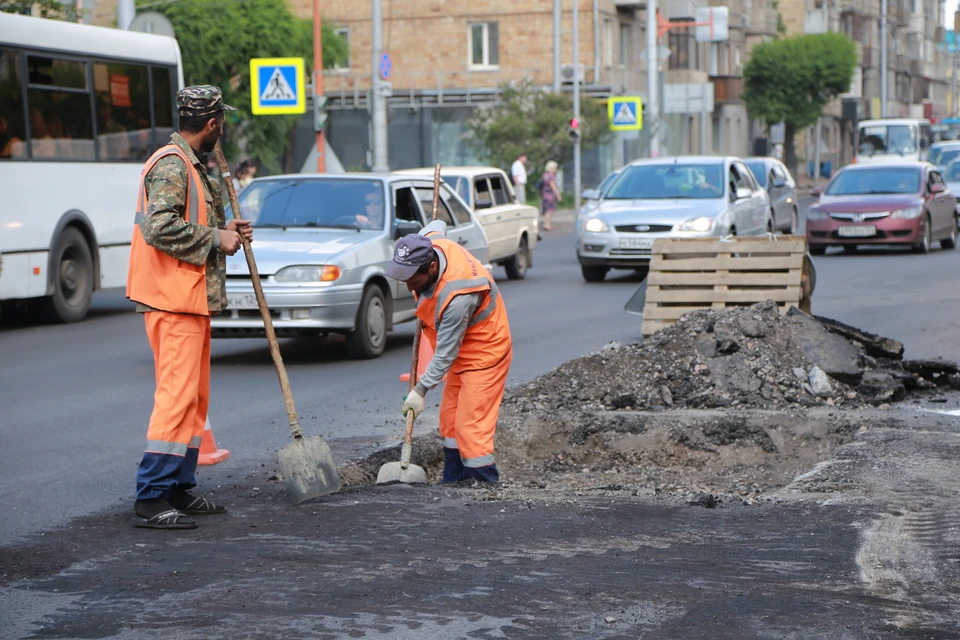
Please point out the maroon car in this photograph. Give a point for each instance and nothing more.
(903, 203)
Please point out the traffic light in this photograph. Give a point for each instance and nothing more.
(574, 131)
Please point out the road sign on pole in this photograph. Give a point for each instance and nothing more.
(625, 113)
(279, 86)
(386, 66)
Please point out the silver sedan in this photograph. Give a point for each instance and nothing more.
(682, 197)
(322, 246)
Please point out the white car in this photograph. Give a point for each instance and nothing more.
(511, 228)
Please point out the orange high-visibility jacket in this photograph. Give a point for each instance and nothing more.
(487, 340)
(155, 278)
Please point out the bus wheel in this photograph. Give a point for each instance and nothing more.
(72, 278)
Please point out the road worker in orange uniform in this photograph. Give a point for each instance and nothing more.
(464, 319)
(177, 277)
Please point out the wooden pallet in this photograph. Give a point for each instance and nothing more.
(687, 274)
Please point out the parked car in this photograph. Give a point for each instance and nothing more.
(781, 188)
(905, 203)
(941, 153)
(322, 246)
(511, 228)
(682, 197)
(951, 175)
(591, 197)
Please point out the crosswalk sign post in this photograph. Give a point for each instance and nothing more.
(625, 113)
(278, 86)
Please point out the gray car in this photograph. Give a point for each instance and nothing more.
(781, 188)
(322, 244)
(682, 197)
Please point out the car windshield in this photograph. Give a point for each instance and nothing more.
(668, 181)
(460, 184)
(875, 180)
(759, 169)
(314, 203)
(946, 155)
(952, 172)
(888, 139)
(607, 182)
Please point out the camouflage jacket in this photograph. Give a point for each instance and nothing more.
(164, 227)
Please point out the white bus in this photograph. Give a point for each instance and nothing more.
(892, 140)
(81, 109)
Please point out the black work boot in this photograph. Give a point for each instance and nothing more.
(194, 506)
(158, 513)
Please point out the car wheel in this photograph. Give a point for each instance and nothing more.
(817, 249)
(517, 265)
(849, 248)
(951, 242)
(370, 337)
(924, 246)
(72, 279)
(593, 273)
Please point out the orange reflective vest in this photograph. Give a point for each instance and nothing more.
(487, 340)
(155, 278)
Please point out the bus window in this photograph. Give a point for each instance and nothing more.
(13, 131)
(123, 111)
(888, 139)
(162, 80)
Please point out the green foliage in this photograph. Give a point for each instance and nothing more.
(218, 39)
(53, 9)
(792, 79)
(528, 120)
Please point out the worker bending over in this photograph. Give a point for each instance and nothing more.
(464, 319)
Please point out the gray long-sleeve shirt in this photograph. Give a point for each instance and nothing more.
(452, 326)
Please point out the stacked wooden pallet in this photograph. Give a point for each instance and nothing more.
(687, 274)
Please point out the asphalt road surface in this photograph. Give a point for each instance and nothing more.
(75, 400)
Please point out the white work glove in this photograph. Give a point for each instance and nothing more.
(413, 401)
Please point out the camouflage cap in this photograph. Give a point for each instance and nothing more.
(201, 100)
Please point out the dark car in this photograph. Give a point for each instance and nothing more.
(904, 203)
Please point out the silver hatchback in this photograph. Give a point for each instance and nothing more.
(683, 197)
(322, 244)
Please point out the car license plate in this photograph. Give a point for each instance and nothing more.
(242, 301)
(636, 243)
(860, 231)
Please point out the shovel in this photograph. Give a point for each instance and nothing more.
(307, 464)
(403, 471)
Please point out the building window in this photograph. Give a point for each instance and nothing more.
(345, 34)
(607, 43)
(484, 44)
(683, 49)
(626, 44)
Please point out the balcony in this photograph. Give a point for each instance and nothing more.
(763, 21)
(871, 58)
(726, 88)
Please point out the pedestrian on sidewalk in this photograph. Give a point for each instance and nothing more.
(549, 194)
(177, 277)
(518, 173)
(464, 319)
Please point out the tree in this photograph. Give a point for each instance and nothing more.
(217, 41)
(54, 9)
(791, 80)
(532, 121)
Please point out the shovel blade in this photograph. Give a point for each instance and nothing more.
(308, 469)
(394, 472)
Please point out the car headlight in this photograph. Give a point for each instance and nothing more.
(816, 214)
(308, 273)
(596, 225)
(703, 223)
(907, 213)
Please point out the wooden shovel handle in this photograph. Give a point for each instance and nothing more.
(261, 301)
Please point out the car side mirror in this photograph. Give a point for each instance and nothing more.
(936, 187)
(590, 194)
(403, 228)
(743, 193)
(779, 182)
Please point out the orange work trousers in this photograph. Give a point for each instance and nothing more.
(469, 411)
(181, 354)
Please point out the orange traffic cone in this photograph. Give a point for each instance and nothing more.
(423, 358)
(209, 454)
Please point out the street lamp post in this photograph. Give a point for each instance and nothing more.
(380, 159)
(318, 82)
(576, 106)
(883, 58)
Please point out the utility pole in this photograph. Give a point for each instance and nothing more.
(883, 58)
(652, 116)
(126, 12)
(381, 162)
(817, 134)
(576, 106)
(557, 7)
(318, 98)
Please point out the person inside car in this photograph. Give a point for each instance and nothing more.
(372, 218)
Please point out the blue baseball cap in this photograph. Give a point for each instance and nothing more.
(410, 253)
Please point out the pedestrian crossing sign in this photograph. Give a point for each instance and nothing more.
(625, 113)
(278, 86)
